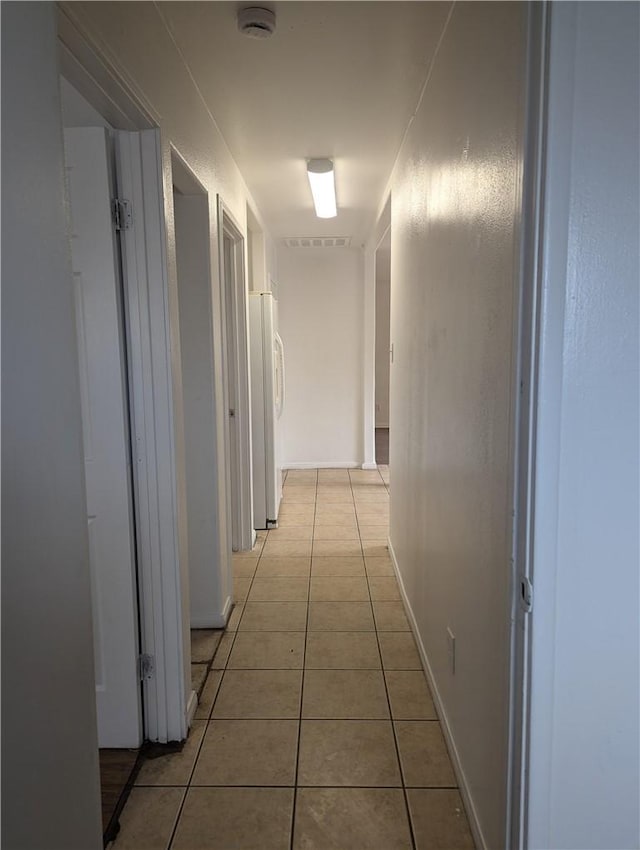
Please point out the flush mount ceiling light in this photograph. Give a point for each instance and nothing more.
(256, 22)
(323, 187)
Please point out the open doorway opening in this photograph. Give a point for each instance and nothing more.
(207, 596)
(236, 374)
(382, 349)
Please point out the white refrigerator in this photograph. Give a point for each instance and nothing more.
(267, 402)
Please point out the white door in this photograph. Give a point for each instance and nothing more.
(106, 442)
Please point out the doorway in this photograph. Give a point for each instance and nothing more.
(236, 374)
(382, 348)
(193, 266)
(90, 170)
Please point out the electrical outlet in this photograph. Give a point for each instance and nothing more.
(451, 641)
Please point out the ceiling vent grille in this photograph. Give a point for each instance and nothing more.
(317, 242)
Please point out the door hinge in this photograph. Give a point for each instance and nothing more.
(146, 667)
(526, 594)
(121, 214)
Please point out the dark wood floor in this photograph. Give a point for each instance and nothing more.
(116, 772)
(382, 446)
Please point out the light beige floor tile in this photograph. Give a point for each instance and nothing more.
(299, 495)
(222, 654)
(399, 651)
(198, 675)
(291, 532)
(241, 589)
(279, 589)
(342, 651)
(336, 548)
(261, 694)
(384, 588)
(336, 509)
(333, 474)
(374, 495)
(357, 694)
(174, 768)
(365, 476)
(373, 532)
(335, 532)
(342, 519)
(340, 616)
(267, 650)
(235, 819)
(234, 617)
(347, 752)
(248, 752)
(371, 519)
(339, 589)
(409, 695)
(390, 617)
(423, 755)
(148, 818)
(289, 518)
(375, 548)
(244, 567)
(370, 514)
(291, 566)
(287, 548)
(346, 566)
(334, 495)
(351, 819)
(439, 821)
(208, 695)
(379, 566)
(204, 643)
(304, 475)
(274, 617)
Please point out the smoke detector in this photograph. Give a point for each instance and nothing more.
(256, 22)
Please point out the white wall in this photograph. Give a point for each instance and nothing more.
(206, 600)
(50, 791)
(383, 330)
(453, 259)
(585, 713)
(320, 304)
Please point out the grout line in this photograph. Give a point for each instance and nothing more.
(391, 718)
(304, 662)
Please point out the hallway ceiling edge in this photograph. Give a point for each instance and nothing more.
(337, 79)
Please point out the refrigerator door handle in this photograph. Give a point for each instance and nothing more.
(279, 369)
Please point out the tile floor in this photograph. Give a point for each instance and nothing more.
(316, 729)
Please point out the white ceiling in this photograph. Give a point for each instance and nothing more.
(338, 79)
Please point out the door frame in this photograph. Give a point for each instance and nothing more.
(529, 272)
(235, 306)
(155, 403)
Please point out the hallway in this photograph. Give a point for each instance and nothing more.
(315, 729)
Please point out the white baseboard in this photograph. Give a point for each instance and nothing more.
(323, 465)
(214, 621)
(369, 466)
(463, 786)
(191, 708)
(382, 425)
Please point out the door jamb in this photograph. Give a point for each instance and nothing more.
(525, 404)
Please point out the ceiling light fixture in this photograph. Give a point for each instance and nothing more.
(323, 187)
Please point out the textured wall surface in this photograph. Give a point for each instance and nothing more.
(320, 307)
(51, 792)
(455, 213)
